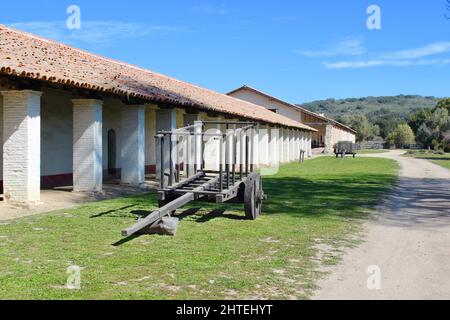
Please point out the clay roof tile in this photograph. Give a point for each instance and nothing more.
(26, 55)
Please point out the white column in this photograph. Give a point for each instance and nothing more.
(87, 145)
(192, 144)
(238, 144)
(229, 147)
(273, 147)
(302, 141)
(150, 132)
(292, 145)
(308, 144)
(22, 146)
(296, 146)
(166, 120)
(198, 145)
(286, 145)
(289, 142)
(264, 152)
(211, 144)
(280, 145)
(1, 144)
(133, 145)
(329, 139)
(255, 145)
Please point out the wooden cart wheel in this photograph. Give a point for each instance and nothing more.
(253, 196)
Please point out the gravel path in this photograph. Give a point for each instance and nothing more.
(408, 241)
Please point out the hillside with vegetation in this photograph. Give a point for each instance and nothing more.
(402, 105)
(400, 121)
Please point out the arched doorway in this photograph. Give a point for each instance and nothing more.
(112, 152)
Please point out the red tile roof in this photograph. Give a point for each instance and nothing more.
(29, 56)
(296, 107)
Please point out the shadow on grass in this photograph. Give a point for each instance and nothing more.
(125, 240)
(341, 196)
(337, 194)
(101, 214)
(219, 213)
(140, 213)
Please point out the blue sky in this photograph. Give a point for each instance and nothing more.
(296, 50)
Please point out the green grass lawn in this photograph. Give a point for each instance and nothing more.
(442, 160)
(372, 151)
(215, 255)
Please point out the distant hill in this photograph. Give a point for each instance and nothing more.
(402, 105)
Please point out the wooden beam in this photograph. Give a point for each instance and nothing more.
(158, 214)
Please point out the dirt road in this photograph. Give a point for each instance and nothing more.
(407, 241)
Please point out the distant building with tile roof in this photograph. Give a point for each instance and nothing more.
(329, 131)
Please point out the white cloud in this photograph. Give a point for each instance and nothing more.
(346, 47)
(375, 63)
(352, 64)
(421, 52)
(409, 57)
(100, 33)
(210, 9)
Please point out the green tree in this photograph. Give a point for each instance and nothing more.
(403, 136)
(444, 104)
(419, 118)
(433, 131)
(388, 124)
(425, 136)
(386, 120)
(365, 130)
(390, 139)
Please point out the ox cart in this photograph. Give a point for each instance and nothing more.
(185, 175)
(345, 147)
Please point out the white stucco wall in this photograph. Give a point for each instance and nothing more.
(255, 98)
(335, 135)
(285, 153)
(133, 145)
(150, 133)
(263, 149)
(1, 138)
(211, 144)
(56, 132)
(112, 120)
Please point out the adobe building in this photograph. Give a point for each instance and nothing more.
(329, 131)
(72, 118)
